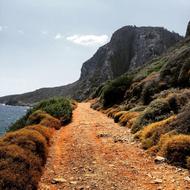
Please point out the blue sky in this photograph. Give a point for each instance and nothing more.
(43, 43)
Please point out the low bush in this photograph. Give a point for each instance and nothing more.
(42, 118)
(176, 149)
(30, 140)
(182, 122)
(52, 122)
(158, 110)
(61, 108)
(19, 169)
(23, 153)
(56, 107)
(127, 117)
(114, 91)
(118, 115)
(45, 131)
(150, 135)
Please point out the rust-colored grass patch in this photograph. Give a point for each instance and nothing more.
(19, 168)
(42, 118)
(150, 135)
(29, 140)
(176, 149)
(118, 115)
(45, 131)
(128, 118)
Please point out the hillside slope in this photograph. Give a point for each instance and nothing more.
(129, 48)
(153, 101)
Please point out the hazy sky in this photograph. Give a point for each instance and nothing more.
(43, 43)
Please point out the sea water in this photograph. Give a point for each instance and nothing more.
(9, 114)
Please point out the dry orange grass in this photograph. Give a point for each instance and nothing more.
(51, 122)
(176, 149)
(106, 111)
(29, 140)
(19, 169)
(150, 135)
(128, 118)
(117, 115)
(112, 112)
(45, 131)
(42, 118)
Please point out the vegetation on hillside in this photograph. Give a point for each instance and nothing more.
(154, 104)
(60, 108)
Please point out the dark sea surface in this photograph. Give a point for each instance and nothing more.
(9, 114)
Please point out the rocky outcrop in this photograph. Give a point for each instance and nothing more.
(188, 30)
(130, 47)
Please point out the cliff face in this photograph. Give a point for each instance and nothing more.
(188, 30)
(130, 47)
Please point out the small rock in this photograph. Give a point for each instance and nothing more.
(73, 182)
(103, 135)
(58, 180)
(159, 160)
(187, 178)
(158, 181)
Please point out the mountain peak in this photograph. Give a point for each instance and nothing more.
(188, 30)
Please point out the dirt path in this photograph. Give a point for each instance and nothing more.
(95, 153)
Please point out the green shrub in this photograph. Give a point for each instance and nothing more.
(60, 108)
(148, 90)
(56, 107)
(158, 110)
(114, 91)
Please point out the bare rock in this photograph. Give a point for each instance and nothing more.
(58, 180)
(159, 160)
(188, 30)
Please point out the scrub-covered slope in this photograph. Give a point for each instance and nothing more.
(153, 101)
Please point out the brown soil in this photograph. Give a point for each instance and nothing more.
(95, 153)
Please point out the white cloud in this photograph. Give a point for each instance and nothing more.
(58, 36)
(2, 28)
(88, 40)
(21, 32)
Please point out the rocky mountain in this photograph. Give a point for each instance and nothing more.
(188, 30)
(153, 102)
(129, 48)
